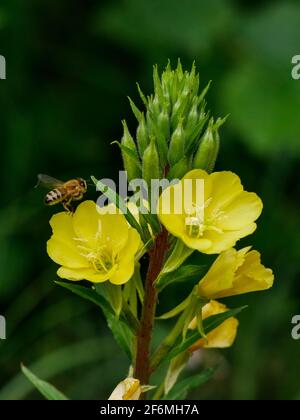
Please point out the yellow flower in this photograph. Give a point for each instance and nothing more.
(234, 273)
(217, 216)
(221, 337)
(93, 244)
(129, 389)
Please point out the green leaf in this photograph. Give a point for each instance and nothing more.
(180, 390)
(184, 273)
(119, 203)
(178, 255)
(175, 368)
(60, 361)
(209, 324)
(121, 331)
(175, 311)
(87, 293)
(46, 389)
(152, 220)
(113, 294)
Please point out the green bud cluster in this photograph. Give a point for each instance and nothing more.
(175, 132)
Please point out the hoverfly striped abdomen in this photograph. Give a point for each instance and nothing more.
(55, 196)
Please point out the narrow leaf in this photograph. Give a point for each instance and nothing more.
(180, 390)
(184, 273)
(175, 368)
(175, 311)
(87, 293)
(119, 327)
(121, 332)
(46, 389)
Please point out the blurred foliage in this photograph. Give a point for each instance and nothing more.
(70, 66)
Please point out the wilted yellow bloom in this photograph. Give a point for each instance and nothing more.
(93, 244)
(129, 389)
(221, 337)
(234, 273)
(216, 215)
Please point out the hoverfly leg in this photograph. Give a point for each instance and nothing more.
(68, 206)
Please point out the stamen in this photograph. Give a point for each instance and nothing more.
(101, 256)
(196, 223)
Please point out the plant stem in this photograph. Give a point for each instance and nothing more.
(144, 335)
(168, 342)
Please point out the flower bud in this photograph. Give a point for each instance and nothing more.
(208, 150)
(163, 135)
(151, 163)
(193, 116)
(179, 108)
(129, 389)
(179, 169)
(176, 148)
(130, 154)
(142, 136)
(221, 337)
(163, 123)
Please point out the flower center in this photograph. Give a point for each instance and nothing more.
(101, 256)
(197, 222)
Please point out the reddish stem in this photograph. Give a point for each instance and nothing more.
(157, 255)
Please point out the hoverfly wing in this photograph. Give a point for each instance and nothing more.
(48, 182)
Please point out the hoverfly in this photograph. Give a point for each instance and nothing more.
(62, 192)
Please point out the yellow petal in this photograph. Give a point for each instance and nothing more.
(200, 244)
(222, 241)
(65, 253)
(62, 226)
(124, 272)
(82, 274)
(125, 268)
(176, 201)
(221, 337)
(93, 227)
(200, 174)
(252, 276)
(129, 389)
(132, 245)
(235, 272)
(241, 212)
(61, 247)
(229, 212)
(225, 186)
(220, 276)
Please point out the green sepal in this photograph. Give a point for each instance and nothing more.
(209, 324)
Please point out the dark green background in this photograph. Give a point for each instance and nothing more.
(70, 66)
